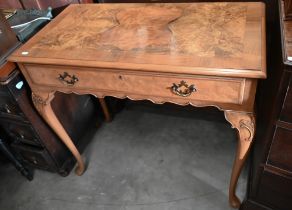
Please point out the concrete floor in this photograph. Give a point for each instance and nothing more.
(146, 159)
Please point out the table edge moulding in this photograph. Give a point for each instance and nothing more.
(161, 64)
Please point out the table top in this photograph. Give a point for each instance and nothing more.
(222, 39)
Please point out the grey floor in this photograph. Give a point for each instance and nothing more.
(143, 160)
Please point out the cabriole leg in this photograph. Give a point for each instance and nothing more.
(245, 125)
(42, 102)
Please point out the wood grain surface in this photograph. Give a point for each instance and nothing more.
(193, 38)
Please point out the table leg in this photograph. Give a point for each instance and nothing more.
(42, 102)
(105, 110)
(245, 125)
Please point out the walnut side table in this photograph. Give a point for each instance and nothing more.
(203, 54)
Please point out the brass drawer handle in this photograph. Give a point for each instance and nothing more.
(182, 89)
(67, 79)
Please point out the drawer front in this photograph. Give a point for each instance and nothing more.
(280, 154)
(36, 157)
(10, 93)
(3, 91)
(20, 132)
(275, 190)
(211, 89)
(9, 107)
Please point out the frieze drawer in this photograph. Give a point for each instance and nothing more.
(168, 86)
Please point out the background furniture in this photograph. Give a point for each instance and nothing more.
(270, 181)
(287, 10)
(10, 155)
(38, 4)
(8, 40)
(25, 23)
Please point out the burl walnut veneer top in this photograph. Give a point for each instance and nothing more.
(223, 39)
